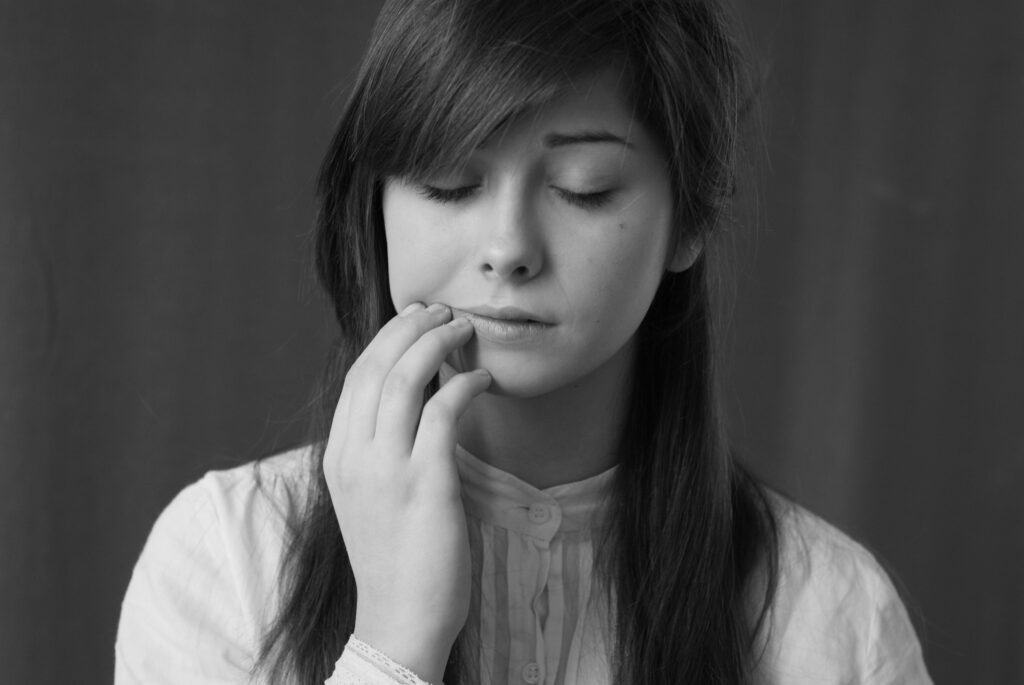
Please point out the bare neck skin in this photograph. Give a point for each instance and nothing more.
(561, 437)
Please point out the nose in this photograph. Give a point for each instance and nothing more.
(512, 246)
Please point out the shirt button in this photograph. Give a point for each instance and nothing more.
(531, 673)
(539, 513)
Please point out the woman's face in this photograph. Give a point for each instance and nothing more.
(552, 240)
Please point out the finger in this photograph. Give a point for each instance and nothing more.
(342, 419)
(333, 451)
(366, 377)
(401, 397)
(438, 429)
(341, 408)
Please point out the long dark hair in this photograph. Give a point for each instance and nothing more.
(692, 544)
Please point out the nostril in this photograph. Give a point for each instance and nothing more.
(519, 271)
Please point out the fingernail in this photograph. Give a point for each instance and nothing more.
(482, 372)
(436, 308)
(412, 308)
(461, 322)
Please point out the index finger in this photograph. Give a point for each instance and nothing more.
(361, 393)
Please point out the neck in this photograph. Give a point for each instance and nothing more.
(560, 437)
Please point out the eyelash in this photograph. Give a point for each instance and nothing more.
(446, 194)
(585, 200)
(582, 200)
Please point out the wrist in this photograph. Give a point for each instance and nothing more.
(416, 649)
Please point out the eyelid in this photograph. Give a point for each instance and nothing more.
(592, 200)
(584, 200)
(445, 195)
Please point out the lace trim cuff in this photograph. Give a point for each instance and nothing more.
(362, 662)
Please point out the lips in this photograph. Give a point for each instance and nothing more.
(505, 325)
(502, 314)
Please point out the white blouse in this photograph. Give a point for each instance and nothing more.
(205, 587)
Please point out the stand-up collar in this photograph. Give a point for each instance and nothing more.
(502, 499)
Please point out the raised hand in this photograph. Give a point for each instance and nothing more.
(392, 477)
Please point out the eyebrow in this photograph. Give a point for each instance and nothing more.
(552, 140)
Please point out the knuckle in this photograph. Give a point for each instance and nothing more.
(438, 412)
(365, 368)
(332, 470)
(347, 476)
(412, 325)
(340, 409)
(354, 371)
(440, 339)
(398, 384)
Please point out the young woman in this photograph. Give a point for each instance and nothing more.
(521, 475)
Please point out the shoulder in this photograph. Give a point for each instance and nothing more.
(836, 616)
(272, 487)
(816, 556)
(206, 582)
(248, 504)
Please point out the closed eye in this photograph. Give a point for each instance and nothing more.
(446, 194)
(582, 200)
(585, 200)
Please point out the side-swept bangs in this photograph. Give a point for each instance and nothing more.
(440, 77)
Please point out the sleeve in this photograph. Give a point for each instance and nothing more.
(836, 617)
(361, 664)
(196, 603)
(182, 619)
(894, 653)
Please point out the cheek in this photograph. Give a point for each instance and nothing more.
(635, 278)
(627, 269)
(420, 253)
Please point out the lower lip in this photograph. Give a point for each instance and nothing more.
(506, 330)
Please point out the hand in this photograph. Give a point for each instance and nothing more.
(391, 473)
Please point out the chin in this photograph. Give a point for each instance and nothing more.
(521, 385)
(515, 373)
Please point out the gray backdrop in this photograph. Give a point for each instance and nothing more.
(157, 318)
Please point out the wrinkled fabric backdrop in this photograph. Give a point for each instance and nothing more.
(158, 319)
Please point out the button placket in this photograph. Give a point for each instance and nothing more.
(539, 514)
(532, 673)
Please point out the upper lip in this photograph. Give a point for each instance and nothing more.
(503, 313)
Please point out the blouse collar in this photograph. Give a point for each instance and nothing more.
(501, 499)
